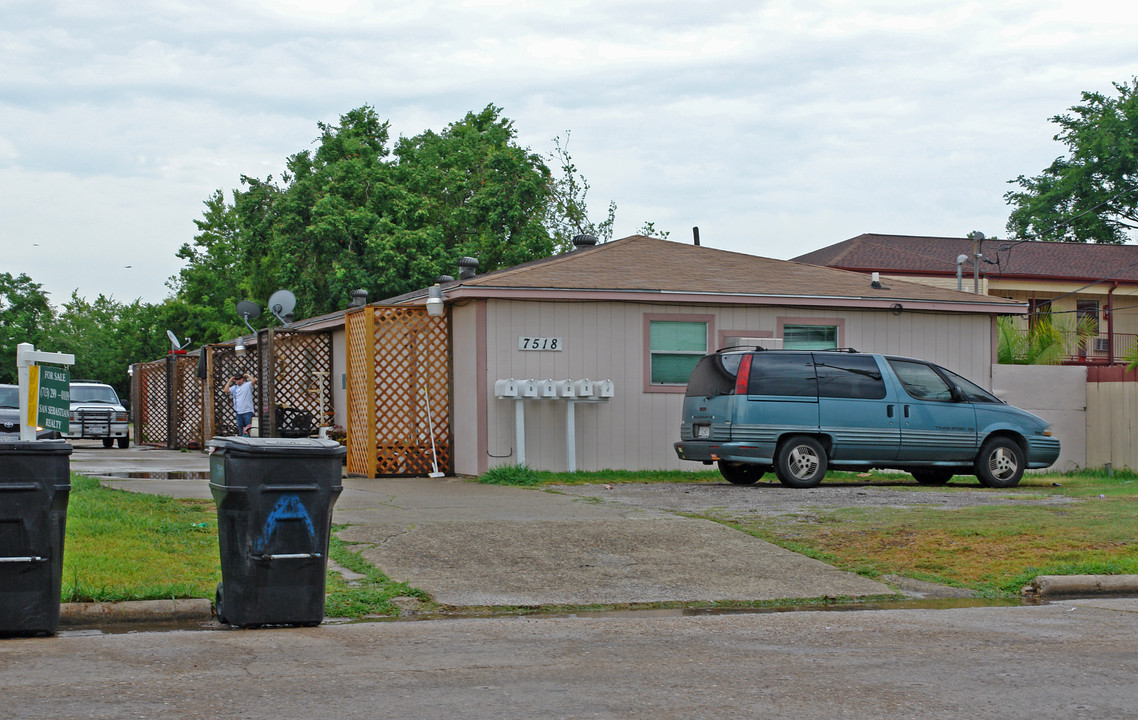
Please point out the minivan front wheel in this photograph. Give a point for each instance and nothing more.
(1000, 463)
(801, 462)
(740, 473)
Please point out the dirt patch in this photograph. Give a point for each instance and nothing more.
(772, 498)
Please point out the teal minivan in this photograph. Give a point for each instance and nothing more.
(801, 413)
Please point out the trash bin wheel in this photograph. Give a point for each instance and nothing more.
(219, 608)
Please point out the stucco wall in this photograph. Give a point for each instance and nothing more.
(605, 340)
(1058, 394)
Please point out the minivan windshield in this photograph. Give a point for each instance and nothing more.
(714, 375)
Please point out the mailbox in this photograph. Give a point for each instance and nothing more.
(527, 388)
(507, 388)
(583, 388)
(547, 388)
(564, 388)
(604, 389)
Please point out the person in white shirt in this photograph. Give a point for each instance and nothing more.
(240, 386)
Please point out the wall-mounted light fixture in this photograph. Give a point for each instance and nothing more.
(435, 300)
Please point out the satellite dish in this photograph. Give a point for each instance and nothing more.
(248, 309)
(174, 342)
(281, 305)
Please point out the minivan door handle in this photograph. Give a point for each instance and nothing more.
(906, 411)
(889, 411)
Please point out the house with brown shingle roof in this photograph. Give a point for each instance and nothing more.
(1069, 279)
(639, 312)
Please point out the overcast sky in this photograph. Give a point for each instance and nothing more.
(776, 127)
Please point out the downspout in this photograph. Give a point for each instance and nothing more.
(1110, 323)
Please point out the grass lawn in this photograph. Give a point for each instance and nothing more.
(129, 546)
(994, 550)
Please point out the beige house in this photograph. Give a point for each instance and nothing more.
(1071, 280)
(638, 313)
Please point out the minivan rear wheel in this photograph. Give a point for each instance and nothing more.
(740, 473)
(1000, 463)
(801, 462)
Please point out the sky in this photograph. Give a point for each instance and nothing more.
(777, 127)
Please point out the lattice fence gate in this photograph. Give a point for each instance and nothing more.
(151, 403)
(296, 374)
(221, 364)
(186, 394)
(398, 392)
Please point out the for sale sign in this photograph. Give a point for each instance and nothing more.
(50, 394)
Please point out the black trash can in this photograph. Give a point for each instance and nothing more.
(35, 485)
(274, 500)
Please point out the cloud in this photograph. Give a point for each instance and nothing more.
(776, 126)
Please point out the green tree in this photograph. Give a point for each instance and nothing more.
(481, 194)
(24, 314)
(215, 277)
(567, 214)
(106, 337)
(354, 213)
(1091, 194)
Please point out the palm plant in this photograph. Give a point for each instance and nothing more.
(1046, 341)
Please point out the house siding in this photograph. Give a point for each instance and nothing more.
(605, 341)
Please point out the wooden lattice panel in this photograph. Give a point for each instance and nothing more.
(399, 392)
(361, 379)
(152, 404)
(224, 362)
(187, 403)
(297, 377)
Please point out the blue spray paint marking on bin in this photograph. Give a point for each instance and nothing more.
(288, 508)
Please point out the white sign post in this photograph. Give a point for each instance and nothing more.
(26, 357)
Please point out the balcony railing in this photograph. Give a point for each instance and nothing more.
(1098, 350)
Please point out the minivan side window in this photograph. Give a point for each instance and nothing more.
(971, 390)
(921, 381)
(714, 375)
(787, 374)
(849, 376)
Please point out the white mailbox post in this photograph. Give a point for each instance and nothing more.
(571, 391)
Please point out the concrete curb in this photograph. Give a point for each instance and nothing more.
(135, 611)
(1082, 585)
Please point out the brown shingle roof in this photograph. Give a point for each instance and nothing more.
(937, 256)
(644, 264)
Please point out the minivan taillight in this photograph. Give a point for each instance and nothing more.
(744, 376)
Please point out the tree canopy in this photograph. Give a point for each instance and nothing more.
(24, 314)
(1090, 194)
(356, 212)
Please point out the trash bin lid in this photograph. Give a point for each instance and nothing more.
(276, 447)
(35, 447)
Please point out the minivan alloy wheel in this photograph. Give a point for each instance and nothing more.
(801, 462)
(1000, 463)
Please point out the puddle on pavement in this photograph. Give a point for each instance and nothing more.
(172, 475)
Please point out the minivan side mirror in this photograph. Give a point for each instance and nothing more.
(958, 394)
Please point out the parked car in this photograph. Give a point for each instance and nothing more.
(802, 413)
(97, 413)
(10, 416)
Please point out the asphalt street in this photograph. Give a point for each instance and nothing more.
(1066, 659)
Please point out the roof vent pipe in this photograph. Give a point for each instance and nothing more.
(875, 281)
(359, 298)
(444, 279)
(580, 242)
(695, 235)
(467, 266)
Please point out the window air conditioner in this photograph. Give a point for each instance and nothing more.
(1102, 344)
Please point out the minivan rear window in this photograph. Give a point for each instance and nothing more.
(714, 375)
(849, 376)
(786, 374)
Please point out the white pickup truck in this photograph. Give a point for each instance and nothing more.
(97, 413)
